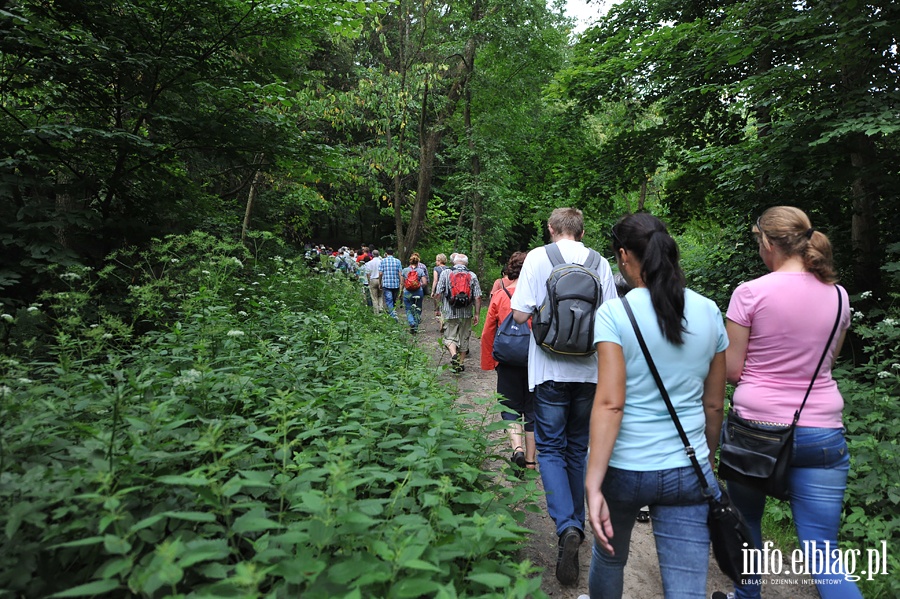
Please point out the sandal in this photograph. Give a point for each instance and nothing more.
(518, 457)
(531, 465)
(643, 516)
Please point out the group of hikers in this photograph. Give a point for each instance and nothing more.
(579, 377)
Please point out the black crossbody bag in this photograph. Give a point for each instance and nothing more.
(760, 456)
(728, 532)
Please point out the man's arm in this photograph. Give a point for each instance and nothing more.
(521, 317)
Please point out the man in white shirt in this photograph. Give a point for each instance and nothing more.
(564, 392)
(374, 277)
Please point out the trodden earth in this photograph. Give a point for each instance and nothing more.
(642, 578)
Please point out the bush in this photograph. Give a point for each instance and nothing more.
(264, 440)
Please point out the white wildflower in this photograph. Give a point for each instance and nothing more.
(188, 378)
(4, 390)
(237, 262)
(865, 295)
(261, 275)
(241, 313)
(32, 308)
(206, 272)
(884, 374)
(7, 317)
(94, 326)
(235, 333)
(174, 261)
(24, 381)
(256, 282)
(70, 276)
(895, 366)
(107, 335)
(857, 316)
(890, 321)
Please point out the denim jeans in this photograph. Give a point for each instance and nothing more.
(678, 509)
(412, 302)
(817, 481)
(562, 418)
(390, 298)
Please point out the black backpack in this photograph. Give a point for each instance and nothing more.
(564, 322)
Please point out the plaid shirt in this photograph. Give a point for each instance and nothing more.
(442, 288)
(390, 269)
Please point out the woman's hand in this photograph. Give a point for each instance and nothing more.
(598, 514)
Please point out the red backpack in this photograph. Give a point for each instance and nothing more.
(460, 293)
(412, 283)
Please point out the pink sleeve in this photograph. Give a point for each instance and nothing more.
(742, 306)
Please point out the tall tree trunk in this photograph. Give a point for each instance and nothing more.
(642, 198)
(397, 194)
(251, 196)
(477, 206)
(430, 136)
(864, 228)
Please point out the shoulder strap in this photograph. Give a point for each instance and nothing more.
(556, 257)
(688, 450)
(505, 290)
(837, 322)
(593, 260)
(554, 254)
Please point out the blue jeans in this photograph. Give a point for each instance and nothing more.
(817, 481)
(678, 509)
(412, 302)
(562, 418)
(390, 298)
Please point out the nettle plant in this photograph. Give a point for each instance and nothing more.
(270, 437)
(872, 419)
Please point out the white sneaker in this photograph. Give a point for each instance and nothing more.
(584, 597)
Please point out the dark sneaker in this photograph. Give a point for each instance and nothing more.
(567, 558)
(456, 364)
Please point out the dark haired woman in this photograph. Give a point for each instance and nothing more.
(778, 326)
(512, 381)
(637, 457)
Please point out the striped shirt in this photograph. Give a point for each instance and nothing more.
(443, 289)
(390, 269)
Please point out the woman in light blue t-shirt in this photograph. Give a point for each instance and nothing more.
(637, 457)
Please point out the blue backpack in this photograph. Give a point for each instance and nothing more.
(512, 340)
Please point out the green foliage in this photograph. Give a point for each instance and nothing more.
(264, 440)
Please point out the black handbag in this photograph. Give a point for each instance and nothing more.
(760, 456)
(728, 531)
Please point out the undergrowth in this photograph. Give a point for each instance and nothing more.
(261, 437)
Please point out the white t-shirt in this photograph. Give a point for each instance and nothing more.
(531, 291)
(372, 267)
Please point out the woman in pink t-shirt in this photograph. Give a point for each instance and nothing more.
(777, 327)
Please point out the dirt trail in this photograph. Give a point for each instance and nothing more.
(642, 579)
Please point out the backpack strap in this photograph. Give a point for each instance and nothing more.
(505, 290)
(556, 258)
(593, 260)
(554, 254)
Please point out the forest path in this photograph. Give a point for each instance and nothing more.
(642, 578)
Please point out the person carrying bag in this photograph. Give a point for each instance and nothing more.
(785, 433)
(637, 456)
